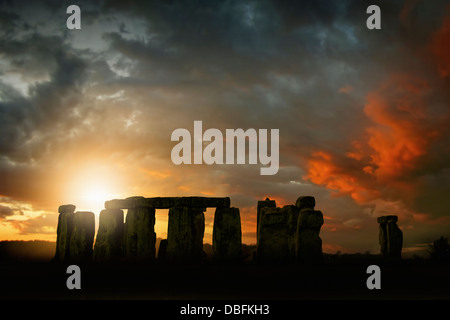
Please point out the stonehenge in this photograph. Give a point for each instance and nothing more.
(64, 231)
(272, 245)
(135, 239)
(167, 202)
(75, 234)
(290, 233)
(284, 234)
(390, 237)
(82, 237)
(308, 244)
(109, 244)
(185, 234)
(139, 234)
(227, 235)
(263, 204)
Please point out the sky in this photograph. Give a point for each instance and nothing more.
(363, 115)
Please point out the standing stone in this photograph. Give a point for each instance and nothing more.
(382, 236)
(139, 234)
(82, 238)
(109, 242)
(185, 234)
(227, 235)
(395, 240)
(263, 204)
(308, 245)
(64, 231)
(390, 237)
(273, 235)
(292, 213)
(306, 202)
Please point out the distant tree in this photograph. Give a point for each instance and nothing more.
(440, 250)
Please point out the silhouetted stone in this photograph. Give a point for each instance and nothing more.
(263, 204)
(308, 244)
(139, 233)
(185, 231)
(227, 235)
(109, 241)
(385, 219)
(64, 232)
(395, 240)
(390, 237)
(292, 213)
(273, 235)
(66, 208)
(82, 238)
(306, 202)
(167, 202)
(162, 251)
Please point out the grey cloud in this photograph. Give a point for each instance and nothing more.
(48, 103)
(43, 224)
(5, 212)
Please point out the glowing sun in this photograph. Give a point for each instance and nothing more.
(95, 195)
(91, 187)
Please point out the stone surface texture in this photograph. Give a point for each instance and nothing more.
(227, 235)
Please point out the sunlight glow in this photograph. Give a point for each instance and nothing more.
(91, 186)
(95, 196)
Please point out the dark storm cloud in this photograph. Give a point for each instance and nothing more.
(299, 13)
(234, 41)
(253, 75)
(49, 102)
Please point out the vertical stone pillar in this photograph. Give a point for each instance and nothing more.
(390, 237)
(109, 241)
(292, 213)
(273, 234)
(64, 231)
(139, 233)
(308, 244)
(82, 238)
(263, 204)
(185, 234)
(227, 235)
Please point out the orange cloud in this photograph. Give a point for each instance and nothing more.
(400, 134)
(440, 46)
(405, 126)
(402, 130)
(323, 170)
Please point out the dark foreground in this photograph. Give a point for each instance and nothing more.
(209, 281)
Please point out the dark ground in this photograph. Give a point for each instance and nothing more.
(250, 281)
(27, 272)
(31, 284)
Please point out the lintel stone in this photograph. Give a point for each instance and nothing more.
(168, 202)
